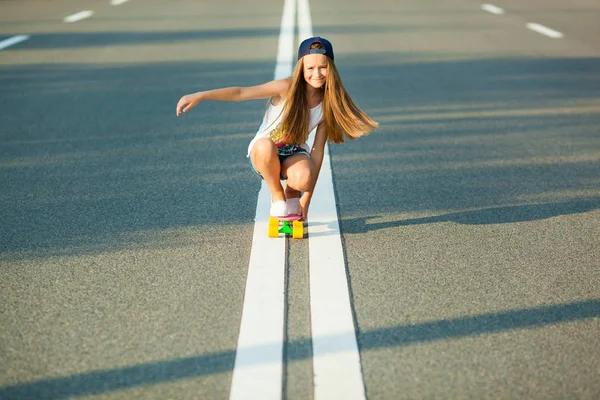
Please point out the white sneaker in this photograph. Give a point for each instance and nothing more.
(279, 209)
(293, 205)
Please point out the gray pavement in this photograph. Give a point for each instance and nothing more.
(470, 219)
(126, 230)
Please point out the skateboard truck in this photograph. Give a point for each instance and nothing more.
(290, 225)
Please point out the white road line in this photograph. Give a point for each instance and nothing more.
(336, 359)
(492, 9)
(259, 374)
(285, 50)
(258, 369)
(304, 20)
(117, 2)
(336, 363)
(12, 41)
(544, 30)
(78, 16)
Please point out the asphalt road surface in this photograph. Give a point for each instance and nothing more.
(469, 221)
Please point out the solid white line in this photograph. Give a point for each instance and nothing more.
(285, 50)
(336, 360)
(259, 374)
(492, 9)
(544, 30)
(78, 16)
(12, 41)
(336, 363)
(304, 20)
(117, 2)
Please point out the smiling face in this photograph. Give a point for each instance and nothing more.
(315, 70)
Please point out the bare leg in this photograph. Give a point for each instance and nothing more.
(266, 161)
(298, 170)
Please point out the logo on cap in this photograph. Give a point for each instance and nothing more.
(305, 49)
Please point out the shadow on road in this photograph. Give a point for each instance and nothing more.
(495, 215)
(168, 371)
(92, 153)
(504, 140)
(93, 39)
(70, 40)
(94, 159)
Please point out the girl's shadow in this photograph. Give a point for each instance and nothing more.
(495, 215)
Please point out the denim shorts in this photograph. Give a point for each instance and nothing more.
(284, 153)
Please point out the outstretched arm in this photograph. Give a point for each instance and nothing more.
(316, 158)
(276, 89)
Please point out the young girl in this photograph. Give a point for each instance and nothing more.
(314, 97)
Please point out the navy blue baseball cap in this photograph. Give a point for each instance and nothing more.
(305, 49)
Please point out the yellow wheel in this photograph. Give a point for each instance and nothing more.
(298, 230)
(273, 227)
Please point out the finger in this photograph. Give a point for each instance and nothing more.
(303, 212)
(179, 105)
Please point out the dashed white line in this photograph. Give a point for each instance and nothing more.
(492, 9)
(539, 28)
(78, 16)
(544, 30)
(117, 2)
(12, 41)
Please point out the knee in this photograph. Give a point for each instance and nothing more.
(264, 148)
(300, 178)
(264, 152)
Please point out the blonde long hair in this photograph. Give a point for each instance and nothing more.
(342, 118)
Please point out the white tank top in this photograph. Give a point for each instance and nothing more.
(273, 117)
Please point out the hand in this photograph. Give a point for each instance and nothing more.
(304, 203)
(186, 103)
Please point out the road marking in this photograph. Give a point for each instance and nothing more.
(12, 41)
(492, 9)
(78, 16)
(544, 30)
(259, 375)
(336, 363)
(117, 2)
(304, 20)
(285, 50)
